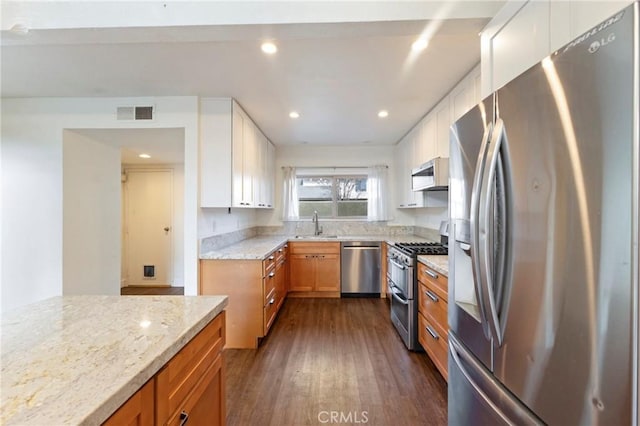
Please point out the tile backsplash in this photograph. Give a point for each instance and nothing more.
(307, 228)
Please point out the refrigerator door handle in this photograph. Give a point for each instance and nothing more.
(486, 233)
(455, 353)
(478, 277)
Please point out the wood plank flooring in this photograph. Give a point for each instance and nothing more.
(333, 355)
(149, 290)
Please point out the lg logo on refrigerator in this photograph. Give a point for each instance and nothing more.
(596, 45)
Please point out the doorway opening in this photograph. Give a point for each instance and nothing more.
(149, 208)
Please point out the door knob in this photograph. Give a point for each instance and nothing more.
(166, 229)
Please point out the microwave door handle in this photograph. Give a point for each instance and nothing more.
(475, 253)
(485, 232)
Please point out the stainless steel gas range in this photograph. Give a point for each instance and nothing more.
(402, 286)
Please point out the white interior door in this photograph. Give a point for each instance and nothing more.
(148, 200)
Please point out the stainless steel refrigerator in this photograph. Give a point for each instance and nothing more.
(543, 266)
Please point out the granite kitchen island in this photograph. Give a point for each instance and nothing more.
(77, 359)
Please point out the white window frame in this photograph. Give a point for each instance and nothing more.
(334, 193)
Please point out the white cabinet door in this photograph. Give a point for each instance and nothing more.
(237, 154)
(443, 122)
(521, 43)
(465, 95)
(571, 19)
(264, 173)
(431, 135)
(259, 169)
(270, 173)
(249, 152)
(401, 174)
(405, 158)
(215, 152)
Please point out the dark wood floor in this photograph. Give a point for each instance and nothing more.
(148, 290)
(333, 355)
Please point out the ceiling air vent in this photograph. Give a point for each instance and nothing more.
(135, 113)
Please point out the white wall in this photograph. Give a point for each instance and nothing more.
(90, 216)
(332, 156)
(31, 137)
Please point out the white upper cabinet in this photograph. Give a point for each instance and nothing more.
(236, 168)
(405, 150)
(443, 122)
(430, 139)
(466, 95)
(523, 33)
(521, 43)
(570, 19)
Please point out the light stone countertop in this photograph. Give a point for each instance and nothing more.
(76, 359)
(439, 263)
(260, 247)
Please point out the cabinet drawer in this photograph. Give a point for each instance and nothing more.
(270, 310)
(204, 404)
(439, 282)
(281, 253)
(269, 284)
(314, 248)
(435, 344)
(433, 306)
(187, 367)
(268, 264)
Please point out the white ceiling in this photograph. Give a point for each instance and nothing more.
(336, 75)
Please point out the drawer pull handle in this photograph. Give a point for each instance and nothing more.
(272, 274)
(272, 301)
(184, 417)
(431, 295)
(432, 332)
(280, 250)
(271, 257)
(431, 274)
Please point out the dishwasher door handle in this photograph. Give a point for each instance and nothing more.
(361, 247)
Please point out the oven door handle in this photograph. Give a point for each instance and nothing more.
(396, 295)
(396, 264)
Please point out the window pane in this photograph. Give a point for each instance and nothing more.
(347, 198)
(352, 208)
(322, 207)
(315, 188)
(352, 188)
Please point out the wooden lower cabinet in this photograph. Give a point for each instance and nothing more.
(433, 325)
(138, 410)
(435, 342)
(190, 387)
(204, 405)
(256, 290)
(314, 269)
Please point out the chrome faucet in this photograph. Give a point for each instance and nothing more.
(318, 229)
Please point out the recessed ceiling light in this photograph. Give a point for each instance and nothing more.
(269, 48)
(384, 113)
(419, 44)
(294, 114)
(144, 156)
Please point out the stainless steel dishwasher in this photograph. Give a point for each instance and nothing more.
(360, 268)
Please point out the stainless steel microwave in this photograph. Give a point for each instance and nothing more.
(431, 176)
